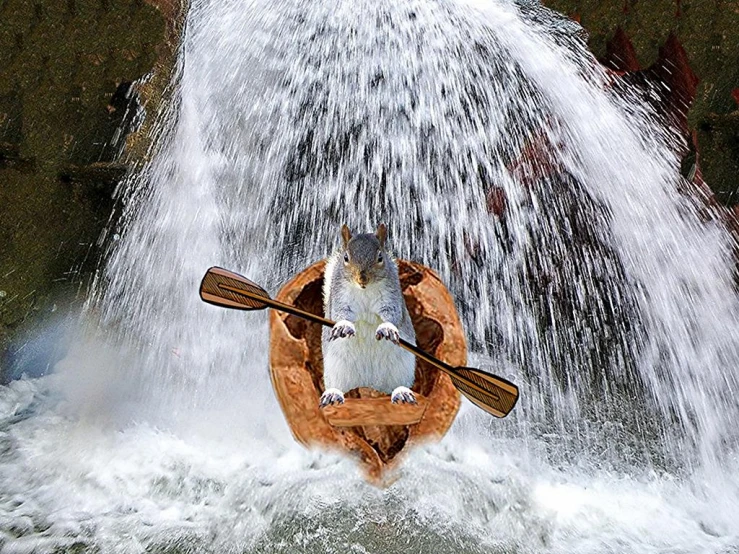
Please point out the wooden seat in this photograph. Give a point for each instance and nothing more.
(357, 412)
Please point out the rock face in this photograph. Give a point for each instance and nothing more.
(68, 105)
(296, 368)
(692, 46)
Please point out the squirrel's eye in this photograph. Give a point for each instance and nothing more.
(346, 258)
(379, 258)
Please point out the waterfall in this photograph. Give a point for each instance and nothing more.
(545, 193)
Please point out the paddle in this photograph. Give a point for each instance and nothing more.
(495, 395)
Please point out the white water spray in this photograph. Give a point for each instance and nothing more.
(500, 154)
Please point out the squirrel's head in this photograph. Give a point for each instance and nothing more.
(364, 255)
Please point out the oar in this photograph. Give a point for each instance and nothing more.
(495, 395)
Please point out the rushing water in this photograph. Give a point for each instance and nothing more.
(499, 153)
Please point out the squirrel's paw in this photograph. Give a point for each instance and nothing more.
(331, 396)
(342, 329)
(387, 331)
(403, 395)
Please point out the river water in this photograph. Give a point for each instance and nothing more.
(544, 192)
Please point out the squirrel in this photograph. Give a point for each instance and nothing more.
(361, 292)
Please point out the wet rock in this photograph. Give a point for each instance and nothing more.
(692, 48)
(69, 104)
(496, 201)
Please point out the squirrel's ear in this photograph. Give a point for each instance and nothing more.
(346, 234)
(382, 234)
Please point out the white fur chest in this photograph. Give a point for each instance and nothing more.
(362, 360)
(365, 303)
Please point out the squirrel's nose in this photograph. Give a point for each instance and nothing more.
(363, 278)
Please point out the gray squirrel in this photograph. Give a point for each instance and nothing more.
(361, 293)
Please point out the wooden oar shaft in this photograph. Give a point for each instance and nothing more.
(495, 395)
(280, 306)
(425, 356)
(277, 305)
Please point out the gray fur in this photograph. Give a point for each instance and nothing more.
(367, 294)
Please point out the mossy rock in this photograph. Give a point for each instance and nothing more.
(67, 105)
(707, 30)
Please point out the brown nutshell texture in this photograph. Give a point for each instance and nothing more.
(296, 368)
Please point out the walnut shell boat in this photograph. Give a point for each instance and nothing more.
(367, 424)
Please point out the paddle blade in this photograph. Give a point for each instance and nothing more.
(495, 395)
(231, 290)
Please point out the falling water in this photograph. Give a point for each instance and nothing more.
(499, 153)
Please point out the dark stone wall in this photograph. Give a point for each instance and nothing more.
(69, 97)
(694, 46)
(67, 106)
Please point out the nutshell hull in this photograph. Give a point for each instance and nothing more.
(367, 426)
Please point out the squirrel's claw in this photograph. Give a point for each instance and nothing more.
(331, 396)
(388, 331)
(403, 395)
(342, 329)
